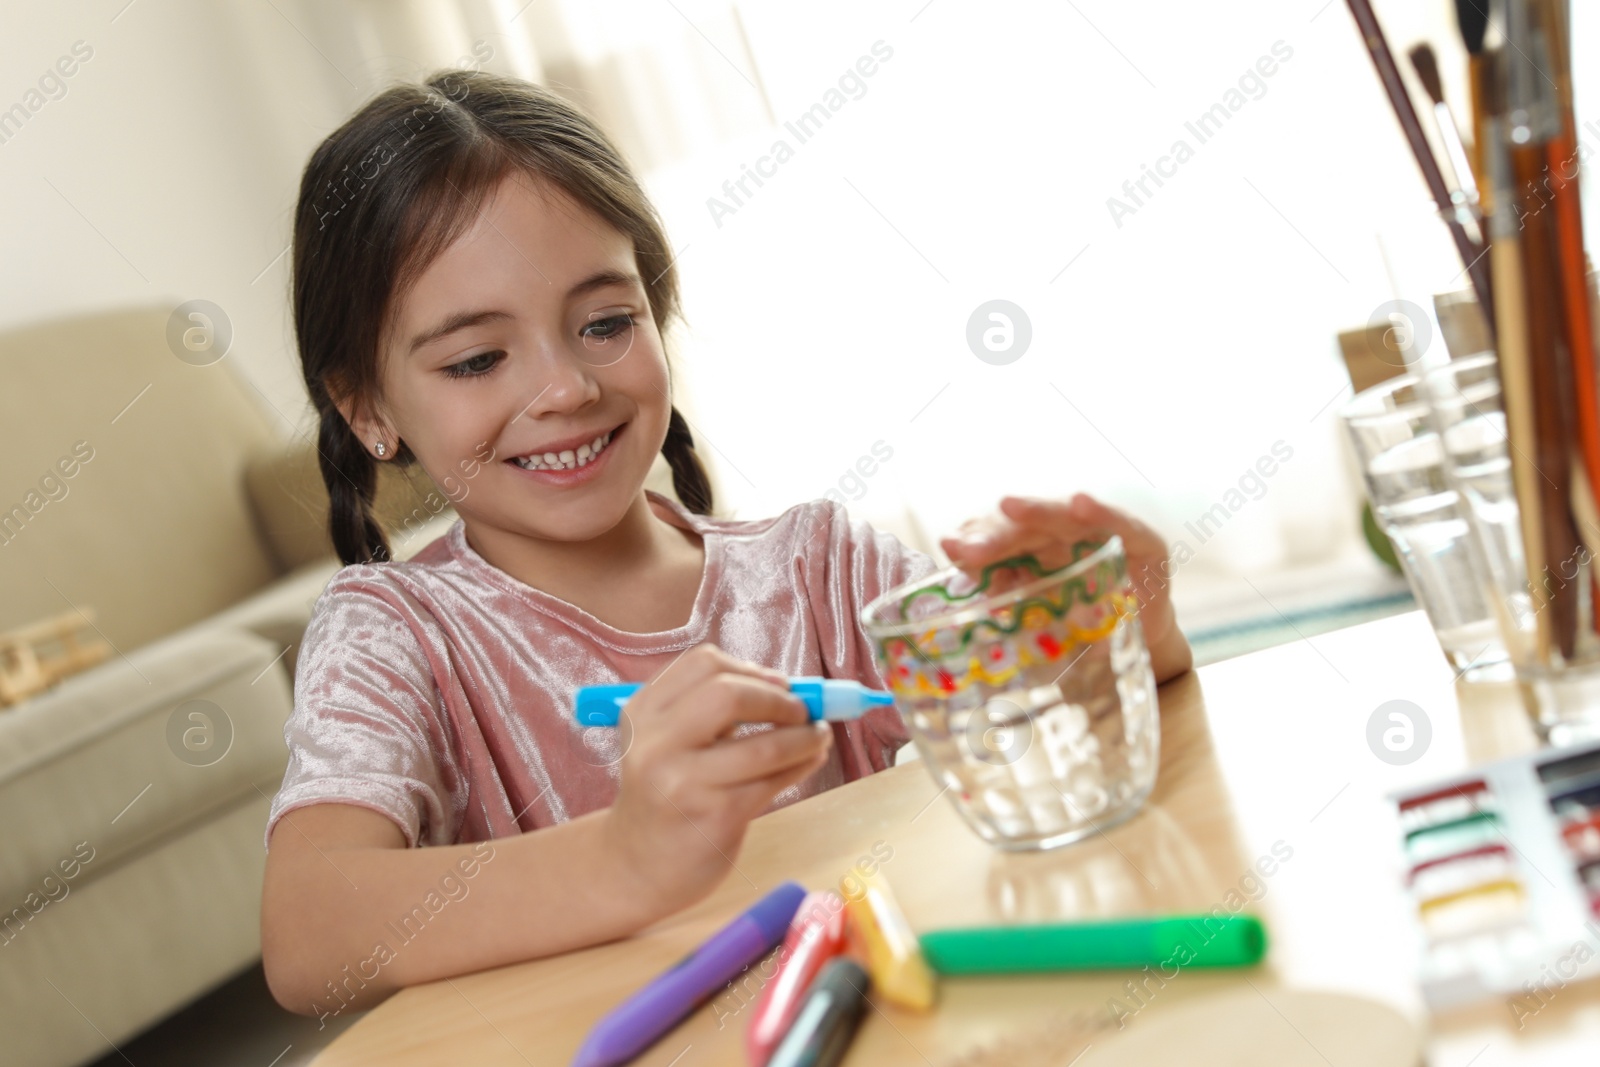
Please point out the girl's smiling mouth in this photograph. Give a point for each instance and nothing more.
(573, 461)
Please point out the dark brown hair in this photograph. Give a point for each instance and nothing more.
(386, 193)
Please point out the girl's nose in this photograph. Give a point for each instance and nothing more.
(555, 383)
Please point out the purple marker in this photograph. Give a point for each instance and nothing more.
(638, 1022)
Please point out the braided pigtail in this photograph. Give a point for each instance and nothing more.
(351, 476)
(689, 478)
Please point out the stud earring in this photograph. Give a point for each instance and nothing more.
(381, 449)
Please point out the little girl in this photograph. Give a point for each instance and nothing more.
(480, 287)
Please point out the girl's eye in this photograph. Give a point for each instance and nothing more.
(474, 366)
(611, 326)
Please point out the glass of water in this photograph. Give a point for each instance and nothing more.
(1562, 693)
(1415, 501)
(1028, 692)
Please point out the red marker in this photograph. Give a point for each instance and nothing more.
(816, 935)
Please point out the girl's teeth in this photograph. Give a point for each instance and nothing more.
(568, 459)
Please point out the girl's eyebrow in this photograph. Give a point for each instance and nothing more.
(600, 280)
(459, 321)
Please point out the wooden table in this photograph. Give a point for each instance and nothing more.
(1267, 749)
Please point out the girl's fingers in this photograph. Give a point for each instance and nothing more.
(1146, 549)
(758, 756)
(732, 781)
(1088, 513)
(692, 669)
(1049, 549)
(712, 710)
(977, 535)
(1047, 528)
(1001, 538)
(752, 798)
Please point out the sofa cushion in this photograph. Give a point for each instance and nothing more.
(279, 613)
(136, 749)
(119, 477)
(135, 944)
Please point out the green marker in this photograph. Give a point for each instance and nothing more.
(1176, 940)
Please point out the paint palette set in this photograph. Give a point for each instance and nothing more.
(1503, 867)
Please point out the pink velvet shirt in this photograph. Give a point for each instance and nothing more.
(438, 691)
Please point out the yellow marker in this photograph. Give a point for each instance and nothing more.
(894, 955)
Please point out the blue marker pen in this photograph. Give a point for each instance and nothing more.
(831, 699)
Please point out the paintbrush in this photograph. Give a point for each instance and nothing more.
(1472, 19)
(1465, 194)
(1563, 164)
(1511, 354)
(1532, 122)
(1471, 254)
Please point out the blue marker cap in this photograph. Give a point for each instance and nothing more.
(831, 699)
(601, 705)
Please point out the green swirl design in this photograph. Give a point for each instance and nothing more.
(1079, 550)
(1075, 591)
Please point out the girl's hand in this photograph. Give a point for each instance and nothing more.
(1049, 528)
(688, 788)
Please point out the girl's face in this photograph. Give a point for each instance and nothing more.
(525, 371)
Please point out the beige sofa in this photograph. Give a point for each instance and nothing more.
(132, 859)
